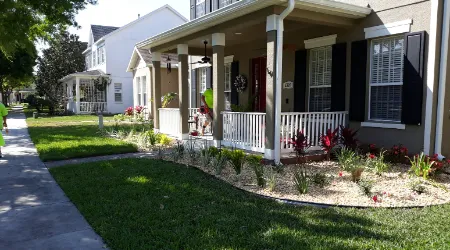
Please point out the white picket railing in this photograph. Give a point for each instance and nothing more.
(93, 107)
(313, 126)
(169, 121)
(244, 130)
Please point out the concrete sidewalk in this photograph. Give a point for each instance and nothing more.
(34, 211)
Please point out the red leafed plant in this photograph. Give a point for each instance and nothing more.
(329, 140)
(129, 111)
(138, 109)
(348, 137)
(300, 143)
(397, 154)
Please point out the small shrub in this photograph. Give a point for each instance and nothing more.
(205, 158)
(192, 152)
(153, 137)
(272, 180)
(255, 163)
(421, 166)
(160, 153)
(366, 186)
(301, 181)
(279, 168)
(219, 162)
(351, 162)
(119, 118)
(236, 158)
(164, 140)
(329, 140)
(300, 143)
(397, 154)
(213, 151)
(377, 163)
(348, 137)
(418, 186)
(320, 179)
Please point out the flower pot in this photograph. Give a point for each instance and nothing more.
(356, 174)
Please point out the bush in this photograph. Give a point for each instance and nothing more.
(272, 180)
(236, 158)
(397, 154)
(153, 137)
(300, 143)
(178, 151)
(219, 162)
(377, 163)
(366, 187)
(329, 140)
(164, 140)
(205, 158)
(320, 179)
(255, 163)
(213, 151)
(119, 118)
(301, 181)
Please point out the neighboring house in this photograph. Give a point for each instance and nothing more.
(105, 86)
(376, 66)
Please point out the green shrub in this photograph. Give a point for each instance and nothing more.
(421, 166)
(366, 187)
(320, 179)
(237, 159)
(219, 162)
(272, 180)
(213, 151)
(345, 157)
(301, 181)
(254, 161)
(418, 186)
(153, 137)
(119, 118)
(164, 140)
(205, 158)
(377, 163)
(178, 151)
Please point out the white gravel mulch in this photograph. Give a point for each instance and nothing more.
(393, 189)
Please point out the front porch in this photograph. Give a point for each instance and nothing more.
(86, 92)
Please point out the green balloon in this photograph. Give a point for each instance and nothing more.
(208, 94)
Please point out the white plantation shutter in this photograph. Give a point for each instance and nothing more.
(320, 79)
(386, 79)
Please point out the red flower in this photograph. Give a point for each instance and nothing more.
(139, 109)
(371, 156)
(340, 174)
(129, 111)
(395, 148)
(375, 198)
(448, 161)
(396, 152)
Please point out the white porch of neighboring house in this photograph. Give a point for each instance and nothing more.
(247, 31)
(86, 92)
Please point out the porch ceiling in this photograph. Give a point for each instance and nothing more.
(245, 21)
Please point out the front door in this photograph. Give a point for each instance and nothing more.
(259, 83)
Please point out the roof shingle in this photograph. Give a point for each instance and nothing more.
(99, 31)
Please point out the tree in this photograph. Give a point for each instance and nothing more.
(62, 58)
(22, 21)
(15, 70)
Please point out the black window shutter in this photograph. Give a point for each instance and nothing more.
(300, 81)
(194, 88)
(193, 5)
(338, 76)
(412, 98)
(208, 6)
(209, 84)
(358, 81)
(234, 74)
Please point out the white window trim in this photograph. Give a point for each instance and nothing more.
(389, 29)
(229, 59)
(383, 125)
(379, 84)
(320, 42)
(121, 92)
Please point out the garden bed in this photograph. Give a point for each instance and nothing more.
(391, 189)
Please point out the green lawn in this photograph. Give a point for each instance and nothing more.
(149, 204)
(66, 137)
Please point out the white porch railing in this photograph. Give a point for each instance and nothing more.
(201, 119)
(169, 121)
(244, 130)
(93, 107)
(313, 126)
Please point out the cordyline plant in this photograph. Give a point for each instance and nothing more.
(300, 143)
(348, 137)
(129, 111)
(329, 140)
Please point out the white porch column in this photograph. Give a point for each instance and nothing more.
(218, 45)
(183, 89)
(156, 88)
(77, 91)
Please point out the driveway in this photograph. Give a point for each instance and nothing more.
(34, 211)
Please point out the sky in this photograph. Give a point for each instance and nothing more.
(120, 12)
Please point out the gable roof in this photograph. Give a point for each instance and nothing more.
(99, 31)
(146, 56)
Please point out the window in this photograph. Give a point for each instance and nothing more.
(144, 90)
(98, 56)
(202, 79)
(228, 86)
(118, 92)
(223, 3)
(320, 79)
(88, 61)
(139, 91)
(94, 59)
(386, 79)
(200, 8)
(101, 55)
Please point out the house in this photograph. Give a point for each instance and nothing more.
(105, 86)
(376, 66)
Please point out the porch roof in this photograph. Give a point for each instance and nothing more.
(89, 73)
(244, 7)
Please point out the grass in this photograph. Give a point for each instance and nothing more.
(67, 137)
(149, 204)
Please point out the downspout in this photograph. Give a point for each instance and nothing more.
(442, 78)
(279, 74)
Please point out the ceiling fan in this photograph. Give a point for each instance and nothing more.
(205, 59)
